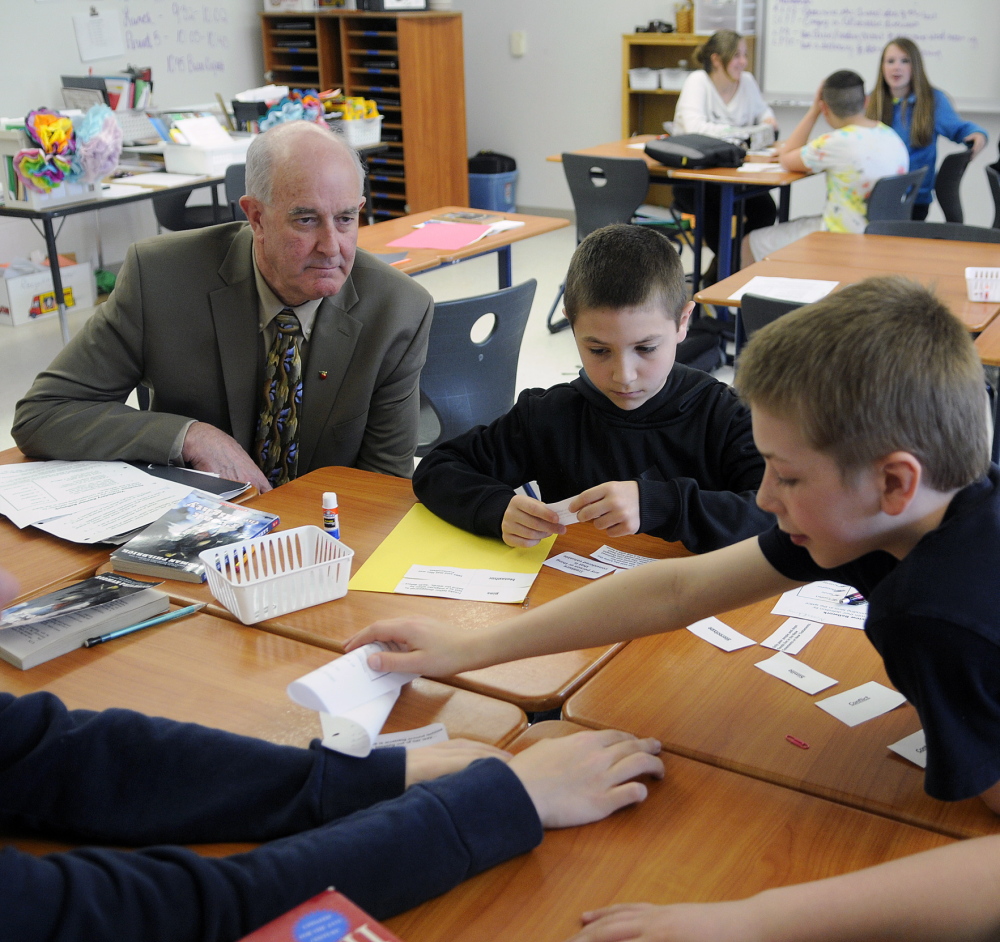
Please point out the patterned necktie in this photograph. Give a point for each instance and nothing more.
(276, 449)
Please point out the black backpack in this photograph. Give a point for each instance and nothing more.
(489, 161)
(695, 152)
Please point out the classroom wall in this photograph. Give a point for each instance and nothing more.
(566, 93)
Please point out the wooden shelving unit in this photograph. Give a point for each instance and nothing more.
(643, 112)
(412, 65)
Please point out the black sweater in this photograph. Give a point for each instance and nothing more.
(690, 448)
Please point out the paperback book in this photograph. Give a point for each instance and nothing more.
(40, 629)
(168, 548)
(328, 915)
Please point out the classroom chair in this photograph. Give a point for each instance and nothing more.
(994, 180)
(920, 229)
(172, 213)
(757, 311)
(947, 182)
(605, 190)
(236, 186)
(893, 197)
(469, 379)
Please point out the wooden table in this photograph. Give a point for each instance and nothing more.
(702, 834)
(988, 344)
(848, 258)
(717, 707)
(734, 186)
(376, 239)
(370, 506)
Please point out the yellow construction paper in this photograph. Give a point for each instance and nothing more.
(423, 539)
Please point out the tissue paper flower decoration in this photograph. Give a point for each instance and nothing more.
(38, 172)
(98, 146)
(296, 107)
(52, 132)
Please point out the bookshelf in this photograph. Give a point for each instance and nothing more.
(412, 65)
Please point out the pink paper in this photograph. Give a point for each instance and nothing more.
(441, 235)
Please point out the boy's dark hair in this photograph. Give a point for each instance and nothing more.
(844, 93)
(623, 266)
(878, 367)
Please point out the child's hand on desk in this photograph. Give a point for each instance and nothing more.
(612, 506)
(443, 758)
(419, 646)
(585, 777)
(684, 922)
(527, 521)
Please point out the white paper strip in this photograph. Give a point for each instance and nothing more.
(720, 634)
(792, 636)
(912, 748)
(862, 703)
(619, 559)
(796, 673)
(579, 566)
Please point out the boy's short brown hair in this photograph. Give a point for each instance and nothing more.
(881, 366)
(624, 266)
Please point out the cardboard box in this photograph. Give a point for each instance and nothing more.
(29, 298)
(211, 161)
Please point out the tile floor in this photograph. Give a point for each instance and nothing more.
(545, 358)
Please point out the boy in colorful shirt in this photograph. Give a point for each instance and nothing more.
(855, 155)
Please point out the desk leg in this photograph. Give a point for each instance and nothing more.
(784, 202)
(699, 232)
(50, 244)
(725, 230)
(506, 269)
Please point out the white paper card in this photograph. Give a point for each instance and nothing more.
(720, 634)
(619, 559)
(761, 168)
(796, 673)
(792, 635)
(862, 703)
(353, 732)
(912, 748)
(477, 585)
(413, 738)
(346, 683)
(805, 290)
(579, 566)
(831, 603)
(566, 517)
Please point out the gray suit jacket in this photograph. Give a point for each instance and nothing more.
(183, 320)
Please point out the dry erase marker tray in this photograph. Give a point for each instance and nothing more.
(278, 573)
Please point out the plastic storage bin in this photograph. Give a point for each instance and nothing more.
(361, 131)
(493, 191)
(278, 573)
(643, 79)
(983, 284)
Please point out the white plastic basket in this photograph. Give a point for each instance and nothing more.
(983, 284)
(362, 131)
(643, 79)
(278, 573)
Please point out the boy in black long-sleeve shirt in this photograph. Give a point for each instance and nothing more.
(642, 443)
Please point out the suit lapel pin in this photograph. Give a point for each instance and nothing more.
(323, 374)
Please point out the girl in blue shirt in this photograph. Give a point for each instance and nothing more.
(904, 99)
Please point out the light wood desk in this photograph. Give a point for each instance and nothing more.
(702, 834)
(370, 506)
(848, 258)
(376, 239)
(734, 186)
(717, 707)
(988, 344)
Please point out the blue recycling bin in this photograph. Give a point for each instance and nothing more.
(493, 191)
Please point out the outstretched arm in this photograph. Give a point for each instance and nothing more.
(950, 894)
(659, 596)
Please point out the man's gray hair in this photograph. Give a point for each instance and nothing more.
(266, 148)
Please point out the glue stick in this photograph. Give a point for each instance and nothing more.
(331, 519)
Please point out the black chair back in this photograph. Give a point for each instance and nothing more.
(236, 186)
(757, 311)
(947, 183)
(605, 190)
(172, 213)
(469, 379)
(993, 176)
(919, 229)
(893, 197)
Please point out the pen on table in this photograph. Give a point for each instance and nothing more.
(148, 623)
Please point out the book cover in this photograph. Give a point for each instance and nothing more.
(88, 594)
(169, 547)
(29, 644)
(330, 916)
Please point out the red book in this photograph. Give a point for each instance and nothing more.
(330, 917)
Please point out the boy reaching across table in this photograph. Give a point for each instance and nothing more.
(641, 443)
(869, 408)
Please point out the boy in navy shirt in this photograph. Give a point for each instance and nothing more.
(641, 443)
(869, 408)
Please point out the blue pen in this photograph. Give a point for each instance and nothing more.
(530, 491)
(148, 623)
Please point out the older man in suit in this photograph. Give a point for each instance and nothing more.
(196, 317)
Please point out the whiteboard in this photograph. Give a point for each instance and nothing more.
(803, 41)
(195, 49)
